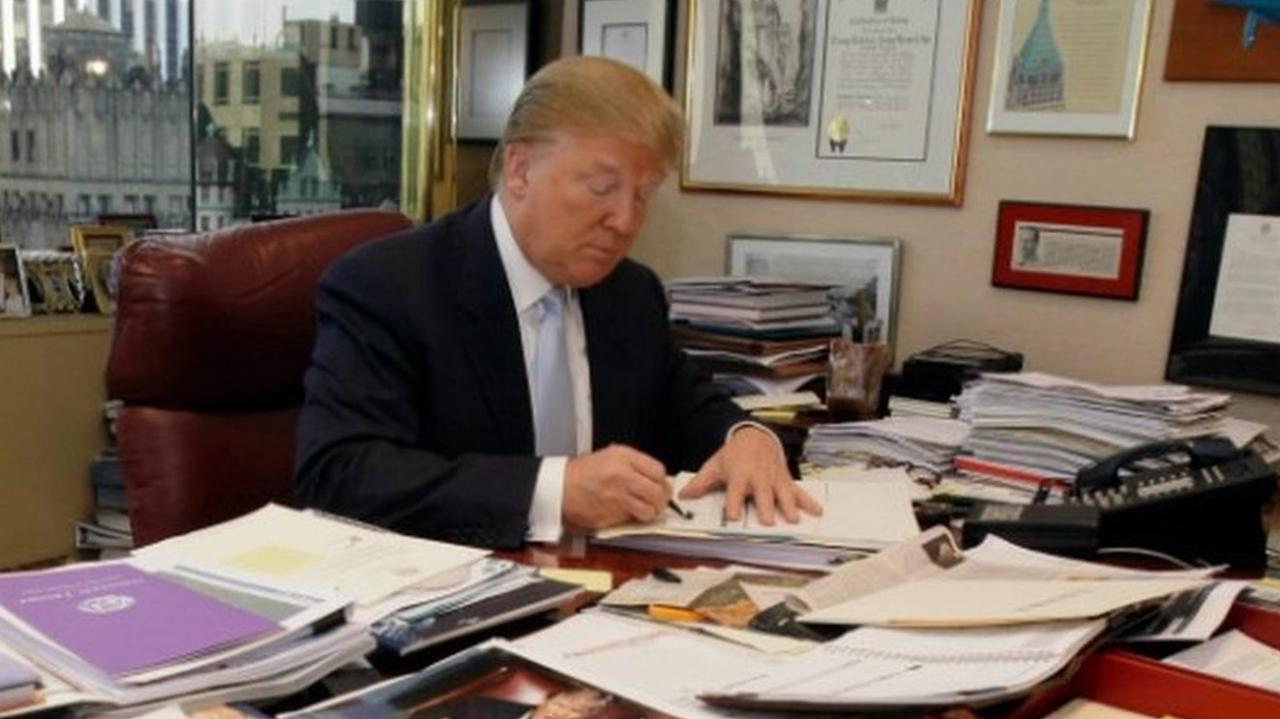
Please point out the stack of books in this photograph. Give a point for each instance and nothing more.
(107, 534)
(917, 441)
(1031, 426)
(757, 336)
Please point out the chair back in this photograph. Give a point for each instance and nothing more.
(212, 335)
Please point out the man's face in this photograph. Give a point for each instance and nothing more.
(578, 202)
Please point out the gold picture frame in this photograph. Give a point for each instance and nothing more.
(98, 238)
(97, 280)
(795, 105)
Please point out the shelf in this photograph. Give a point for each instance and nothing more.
(41, 325)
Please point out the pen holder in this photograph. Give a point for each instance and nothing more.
(854, 376)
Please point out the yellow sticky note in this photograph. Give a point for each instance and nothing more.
(272, 560)
(592, 579)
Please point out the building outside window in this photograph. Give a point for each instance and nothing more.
(252, 83)
(221, 83)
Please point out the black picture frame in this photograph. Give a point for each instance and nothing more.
(666, 32)
(1239, 175)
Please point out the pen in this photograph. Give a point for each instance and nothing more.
(686, 514)
(666, 575)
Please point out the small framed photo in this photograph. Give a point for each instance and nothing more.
(1068, 68)
(98, 238)
(53, 283)
(98, 281)
(1070, 249)
(493, 60)
(868, 266)
(15, 300)
(635, 32)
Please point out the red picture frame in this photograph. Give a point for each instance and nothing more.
(1070, 249)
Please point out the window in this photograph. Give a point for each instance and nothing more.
(333, 37)
(204, 223)
(104, 204)
(290, 82)
(251, 83)
(252, 146)
(288, 150)
(351, 38)
(15, 146)
(31, 145)
(221, 83)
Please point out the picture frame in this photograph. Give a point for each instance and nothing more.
(635, 32)
(1070, 249)
(1206, 44)
(15, 299)
(98, 281)
(1072, 69)
(795, 121)
(493, 61)
(870, 265)
(98, 238)
(53, 281)
(1225, 333)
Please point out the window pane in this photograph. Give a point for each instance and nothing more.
(311, 111)
(93, 111)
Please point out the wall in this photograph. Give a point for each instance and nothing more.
(946, 290)
(51, 395)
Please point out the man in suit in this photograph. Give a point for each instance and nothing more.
(505, 371)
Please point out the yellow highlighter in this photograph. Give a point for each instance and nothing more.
(666, 613)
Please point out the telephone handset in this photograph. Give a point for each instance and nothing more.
(1203, 503)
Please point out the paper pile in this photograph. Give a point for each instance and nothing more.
(918, 441)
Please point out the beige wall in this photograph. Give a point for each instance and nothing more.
(946, 290)
(51, 394)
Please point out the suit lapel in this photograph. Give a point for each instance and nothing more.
(490, 331)
(613, 404)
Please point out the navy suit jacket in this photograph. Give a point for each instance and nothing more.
(417, 415)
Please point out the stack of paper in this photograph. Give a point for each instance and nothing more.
(750, 303)
(1051, 426)
(918, 441)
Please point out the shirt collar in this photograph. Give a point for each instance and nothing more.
(526, 283)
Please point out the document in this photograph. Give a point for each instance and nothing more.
(965, 602)
(651, 590)
(872, 512)
(1247, 299)
(925, 555)
(278, 544)
(1236, 656)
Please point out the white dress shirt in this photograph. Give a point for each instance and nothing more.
(527, 288)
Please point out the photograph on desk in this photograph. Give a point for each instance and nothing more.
(481, 683)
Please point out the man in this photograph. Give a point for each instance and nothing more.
(506, 372)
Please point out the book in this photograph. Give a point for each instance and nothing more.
(752, 314)
(122, 620)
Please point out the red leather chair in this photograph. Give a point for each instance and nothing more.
(212, 335)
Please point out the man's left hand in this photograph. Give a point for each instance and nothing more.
(750, 464)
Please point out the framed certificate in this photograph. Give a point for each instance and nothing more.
(635, 32)
(853, 98)
(493, 61)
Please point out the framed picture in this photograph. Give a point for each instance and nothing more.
(493, 60)
(98, 238)
(1068, 68)
(1212, 41)
(636, 32)
(98, 281)
(800, 97)
(870, 267)
(1225, 333)
(15, 301)
(53, 282)
(1071, 249)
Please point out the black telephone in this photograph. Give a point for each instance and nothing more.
(1203, 503)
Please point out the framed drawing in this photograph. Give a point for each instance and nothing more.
(493, 60)
(15, 300)
(636, 32)
(1068, 68)
(849, 98)
(1225, 333)
(870, 267)
(1072, 249)
(1211, 41)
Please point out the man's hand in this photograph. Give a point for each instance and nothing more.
(750, 465)
(614, 485)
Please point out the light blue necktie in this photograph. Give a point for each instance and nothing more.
(553, 414)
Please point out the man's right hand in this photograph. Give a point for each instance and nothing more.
(612, 486)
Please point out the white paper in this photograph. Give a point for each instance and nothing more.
(1236, 656)
(279, 544)
(1246, 304)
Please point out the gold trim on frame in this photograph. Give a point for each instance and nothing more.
(428, 185)
(958, 165)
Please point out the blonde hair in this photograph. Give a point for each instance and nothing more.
(596, 95)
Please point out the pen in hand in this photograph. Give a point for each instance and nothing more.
(684, 513)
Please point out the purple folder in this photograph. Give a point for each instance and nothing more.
(123, 620)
